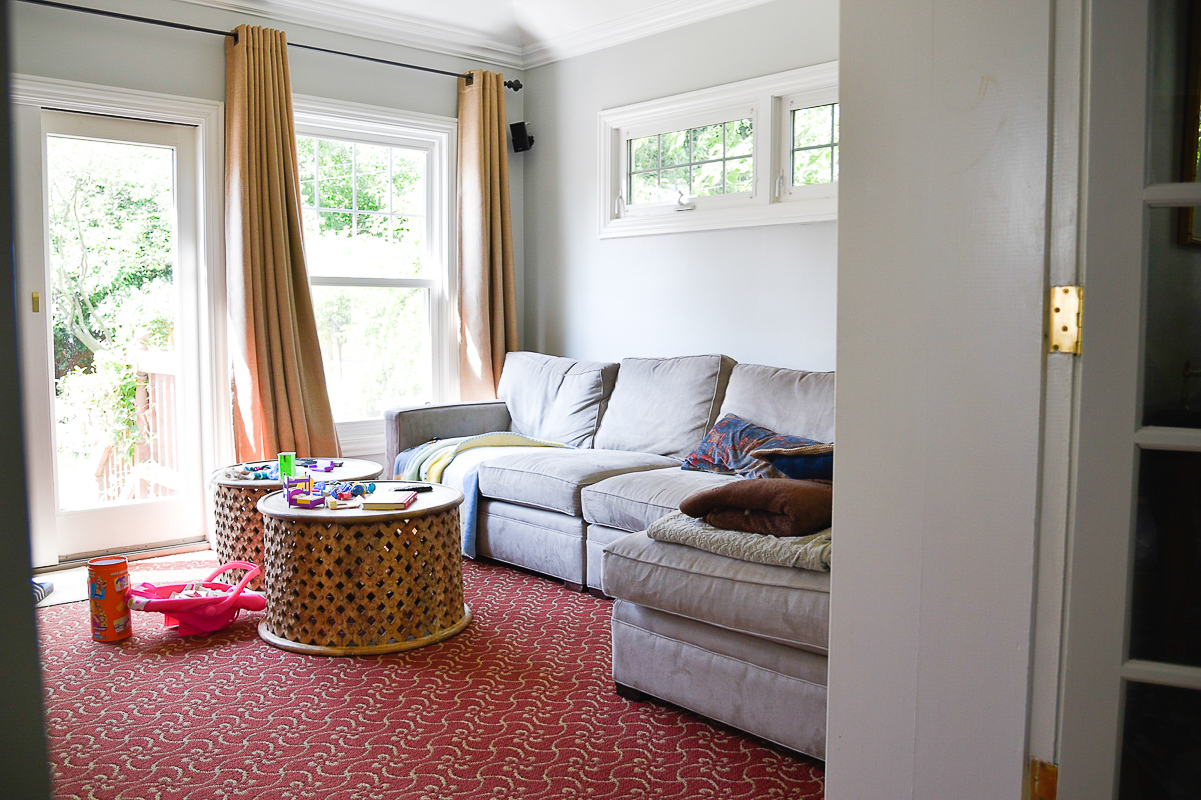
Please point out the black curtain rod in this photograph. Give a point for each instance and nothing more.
(515, 85)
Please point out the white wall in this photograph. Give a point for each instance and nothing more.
(941, 275)
(83, 47)
(764, 295)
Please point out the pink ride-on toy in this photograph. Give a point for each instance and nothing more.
(199, 615)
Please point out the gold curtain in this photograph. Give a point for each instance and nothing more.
(279, 394)
(487, 291)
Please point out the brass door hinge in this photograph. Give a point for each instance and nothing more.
(1044, 780)
(1066, 319)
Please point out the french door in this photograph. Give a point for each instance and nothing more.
(108, 258)
(1131, 701)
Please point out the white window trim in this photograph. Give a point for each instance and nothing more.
(764, 98)
(334, 119)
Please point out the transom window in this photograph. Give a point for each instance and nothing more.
(815, 145)
(366, 229)
(695, 162)
(763, 151)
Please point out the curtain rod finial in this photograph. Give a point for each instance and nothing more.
(514, 84)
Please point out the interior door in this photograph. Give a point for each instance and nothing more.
(1131, 701)
(108, 262)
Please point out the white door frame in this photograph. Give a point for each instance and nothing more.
(29, 96)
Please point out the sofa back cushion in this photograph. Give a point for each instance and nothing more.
(664, 405)
(558, 399)
(789, 401)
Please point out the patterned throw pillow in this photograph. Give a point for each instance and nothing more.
(732, 445)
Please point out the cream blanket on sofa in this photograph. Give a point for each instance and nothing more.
(804, 552)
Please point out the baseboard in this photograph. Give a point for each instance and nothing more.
(80, 560)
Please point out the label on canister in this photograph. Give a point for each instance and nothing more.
(108, 580)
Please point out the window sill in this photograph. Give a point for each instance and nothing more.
(818, 209)
(361, 438)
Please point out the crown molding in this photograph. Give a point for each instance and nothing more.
(463, 43)
(646, 22)
(368, 24)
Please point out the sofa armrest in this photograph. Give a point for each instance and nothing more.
(409, 427)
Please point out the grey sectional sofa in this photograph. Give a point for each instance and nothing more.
(741, 643)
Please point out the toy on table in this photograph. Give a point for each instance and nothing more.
(199, 607)
(346, 490)
(300, 494)
(254, 471)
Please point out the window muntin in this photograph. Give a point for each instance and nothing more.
(814, 146)
(695, 162)
(364, 208)
(366, 231)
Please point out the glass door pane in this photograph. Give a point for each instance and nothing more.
(114, 305)
(1172, 319)
(1161, 743)
(1165, 609)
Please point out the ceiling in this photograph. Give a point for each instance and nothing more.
(511, 33)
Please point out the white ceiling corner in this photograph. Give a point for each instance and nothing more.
(644, 21)
(519, 34)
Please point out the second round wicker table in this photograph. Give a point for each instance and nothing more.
(355, 582)
(237, 524)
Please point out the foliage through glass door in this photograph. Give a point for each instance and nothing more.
(111, 254)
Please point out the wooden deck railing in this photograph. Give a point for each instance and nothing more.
(154, 469)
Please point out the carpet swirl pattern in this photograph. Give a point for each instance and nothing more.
(520, 705)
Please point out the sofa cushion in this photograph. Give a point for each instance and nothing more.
(552, 478)
(633, 501)
(785, 400)
(456, 471)
(557, 399)
(663, 405)
(784, 604)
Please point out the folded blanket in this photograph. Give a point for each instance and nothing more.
(775, 506)
(428, 462)
(804, 552)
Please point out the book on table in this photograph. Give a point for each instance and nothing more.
(385, 502)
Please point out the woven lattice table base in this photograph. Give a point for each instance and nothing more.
(238, 531)
(363, 586)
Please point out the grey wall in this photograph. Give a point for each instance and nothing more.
(82, 47)
(942, 232)
(764, 295)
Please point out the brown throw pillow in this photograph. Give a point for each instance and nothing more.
(775, 506)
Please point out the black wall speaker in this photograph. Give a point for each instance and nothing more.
(522, 140)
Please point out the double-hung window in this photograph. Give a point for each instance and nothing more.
(374, 190)
(758, 152)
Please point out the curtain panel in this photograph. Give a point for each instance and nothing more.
(487, 288)
(279, 392)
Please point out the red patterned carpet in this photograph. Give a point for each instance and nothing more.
(520, 705)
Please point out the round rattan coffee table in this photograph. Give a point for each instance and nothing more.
(237, 523)
(354, 582)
